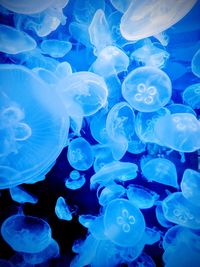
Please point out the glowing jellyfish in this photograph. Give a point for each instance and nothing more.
(195, 63)
(101, 159)
(147, 89)
(84, 93)
(114, 171)
(80, 155)
(26, 233)
(178, 210)
(152, 235)
(55, 48)
(63, 69)
(124, 223)
(75, 182)
(143, 260)
(145, 124)
(190, 186)
(34, 126)
(46, 75)
(97, 228)
(52, 251)
(179, 131)
(148, 18)
(160, 216)
(121, 5)
(62, 210)
(160, 170)
(20, 195)
(23, 42)
(191, 96)
(141, 197)
(86, 220)
(180, 108)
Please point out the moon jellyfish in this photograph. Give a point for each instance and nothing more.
(160, 170)
(179, 131)
(143, 260)
(46, 75)
(20, 195)
(179, 210)
(63, 69)
(148, 18)
(75, 182)
(190, 186)
(34, 126)
(22, 41)
(86, 220)
(114, 171)
(97, 228)
(62, 210)
(141, 197)
(160, 216)
(84, 93)
(152, 235)
(145, 123)
(26, 233)
(52, 251)
(55, 48)
(191, 96)
(147, 89)
(80, 155)
(195, 63)
(102, 157)
(124, 223)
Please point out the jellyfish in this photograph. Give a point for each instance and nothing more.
(75, 182)
(137, 22)
(147, 89)
(55, 48)
(124, 223)
(161, 170)
(97, 228)
(191, 96)
(86, 220)
(143, 260)
(190, 186)
(141, 197)
(114, 171)
(84, 93)
(62, 210)
(135, 145)
(195, 63)
(52, 251)
(20, 195)
(145, 124)
(80, 155)
(102, 157)
(26, 233)
(23, 42)
(46, 75)
(180, 108)
(63, 69)
(121, 5)
(179, 131)
(178, 210)
(160, 216)
(34, 126)
(152, 235)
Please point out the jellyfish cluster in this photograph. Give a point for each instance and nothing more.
(99, 133)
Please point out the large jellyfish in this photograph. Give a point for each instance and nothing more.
(124, 223)
(147, 89)
(191, 96)
(33, 128)
(151, 17)
(26, 233)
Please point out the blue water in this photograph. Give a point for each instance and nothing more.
(99, 133)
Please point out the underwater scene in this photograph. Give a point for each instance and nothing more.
(99, 133)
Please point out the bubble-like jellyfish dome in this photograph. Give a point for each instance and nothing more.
(147, 89)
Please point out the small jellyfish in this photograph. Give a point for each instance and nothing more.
(195, 63)
(26, 233)
(160, 170)
(141, 197)
(80, 155)
(101, 159)
(63, 69)
(9, 35)
(86, 220)
(152, 235)
(75, 182)
(62, 210)
(83, 93)
(179, 131)
(191, 96)
(124, 223)
(190, 186)
(55, 48)
(179, 210)
(114, 171)
(147, 89)
(20, 195)
(160, 216)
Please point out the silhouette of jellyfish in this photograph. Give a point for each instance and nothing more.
(26, 233)
(20, 195)
(62, 210)
(147, 89)
(124, 223)
(191, 96)
(75, 180)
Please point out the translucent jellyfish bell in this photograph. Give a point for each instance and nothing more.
(23, 42)
(26, 233)
(190, 186)
(34, 126)
(20, 195)
(124, 223)
(80, 155)
(161, 171)
(121, 5)
(55, 48)
(150, 17)
(147, 89)
(191, 96)
(195, 63)
(62, 210)
(84, 93)
(179, 131)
